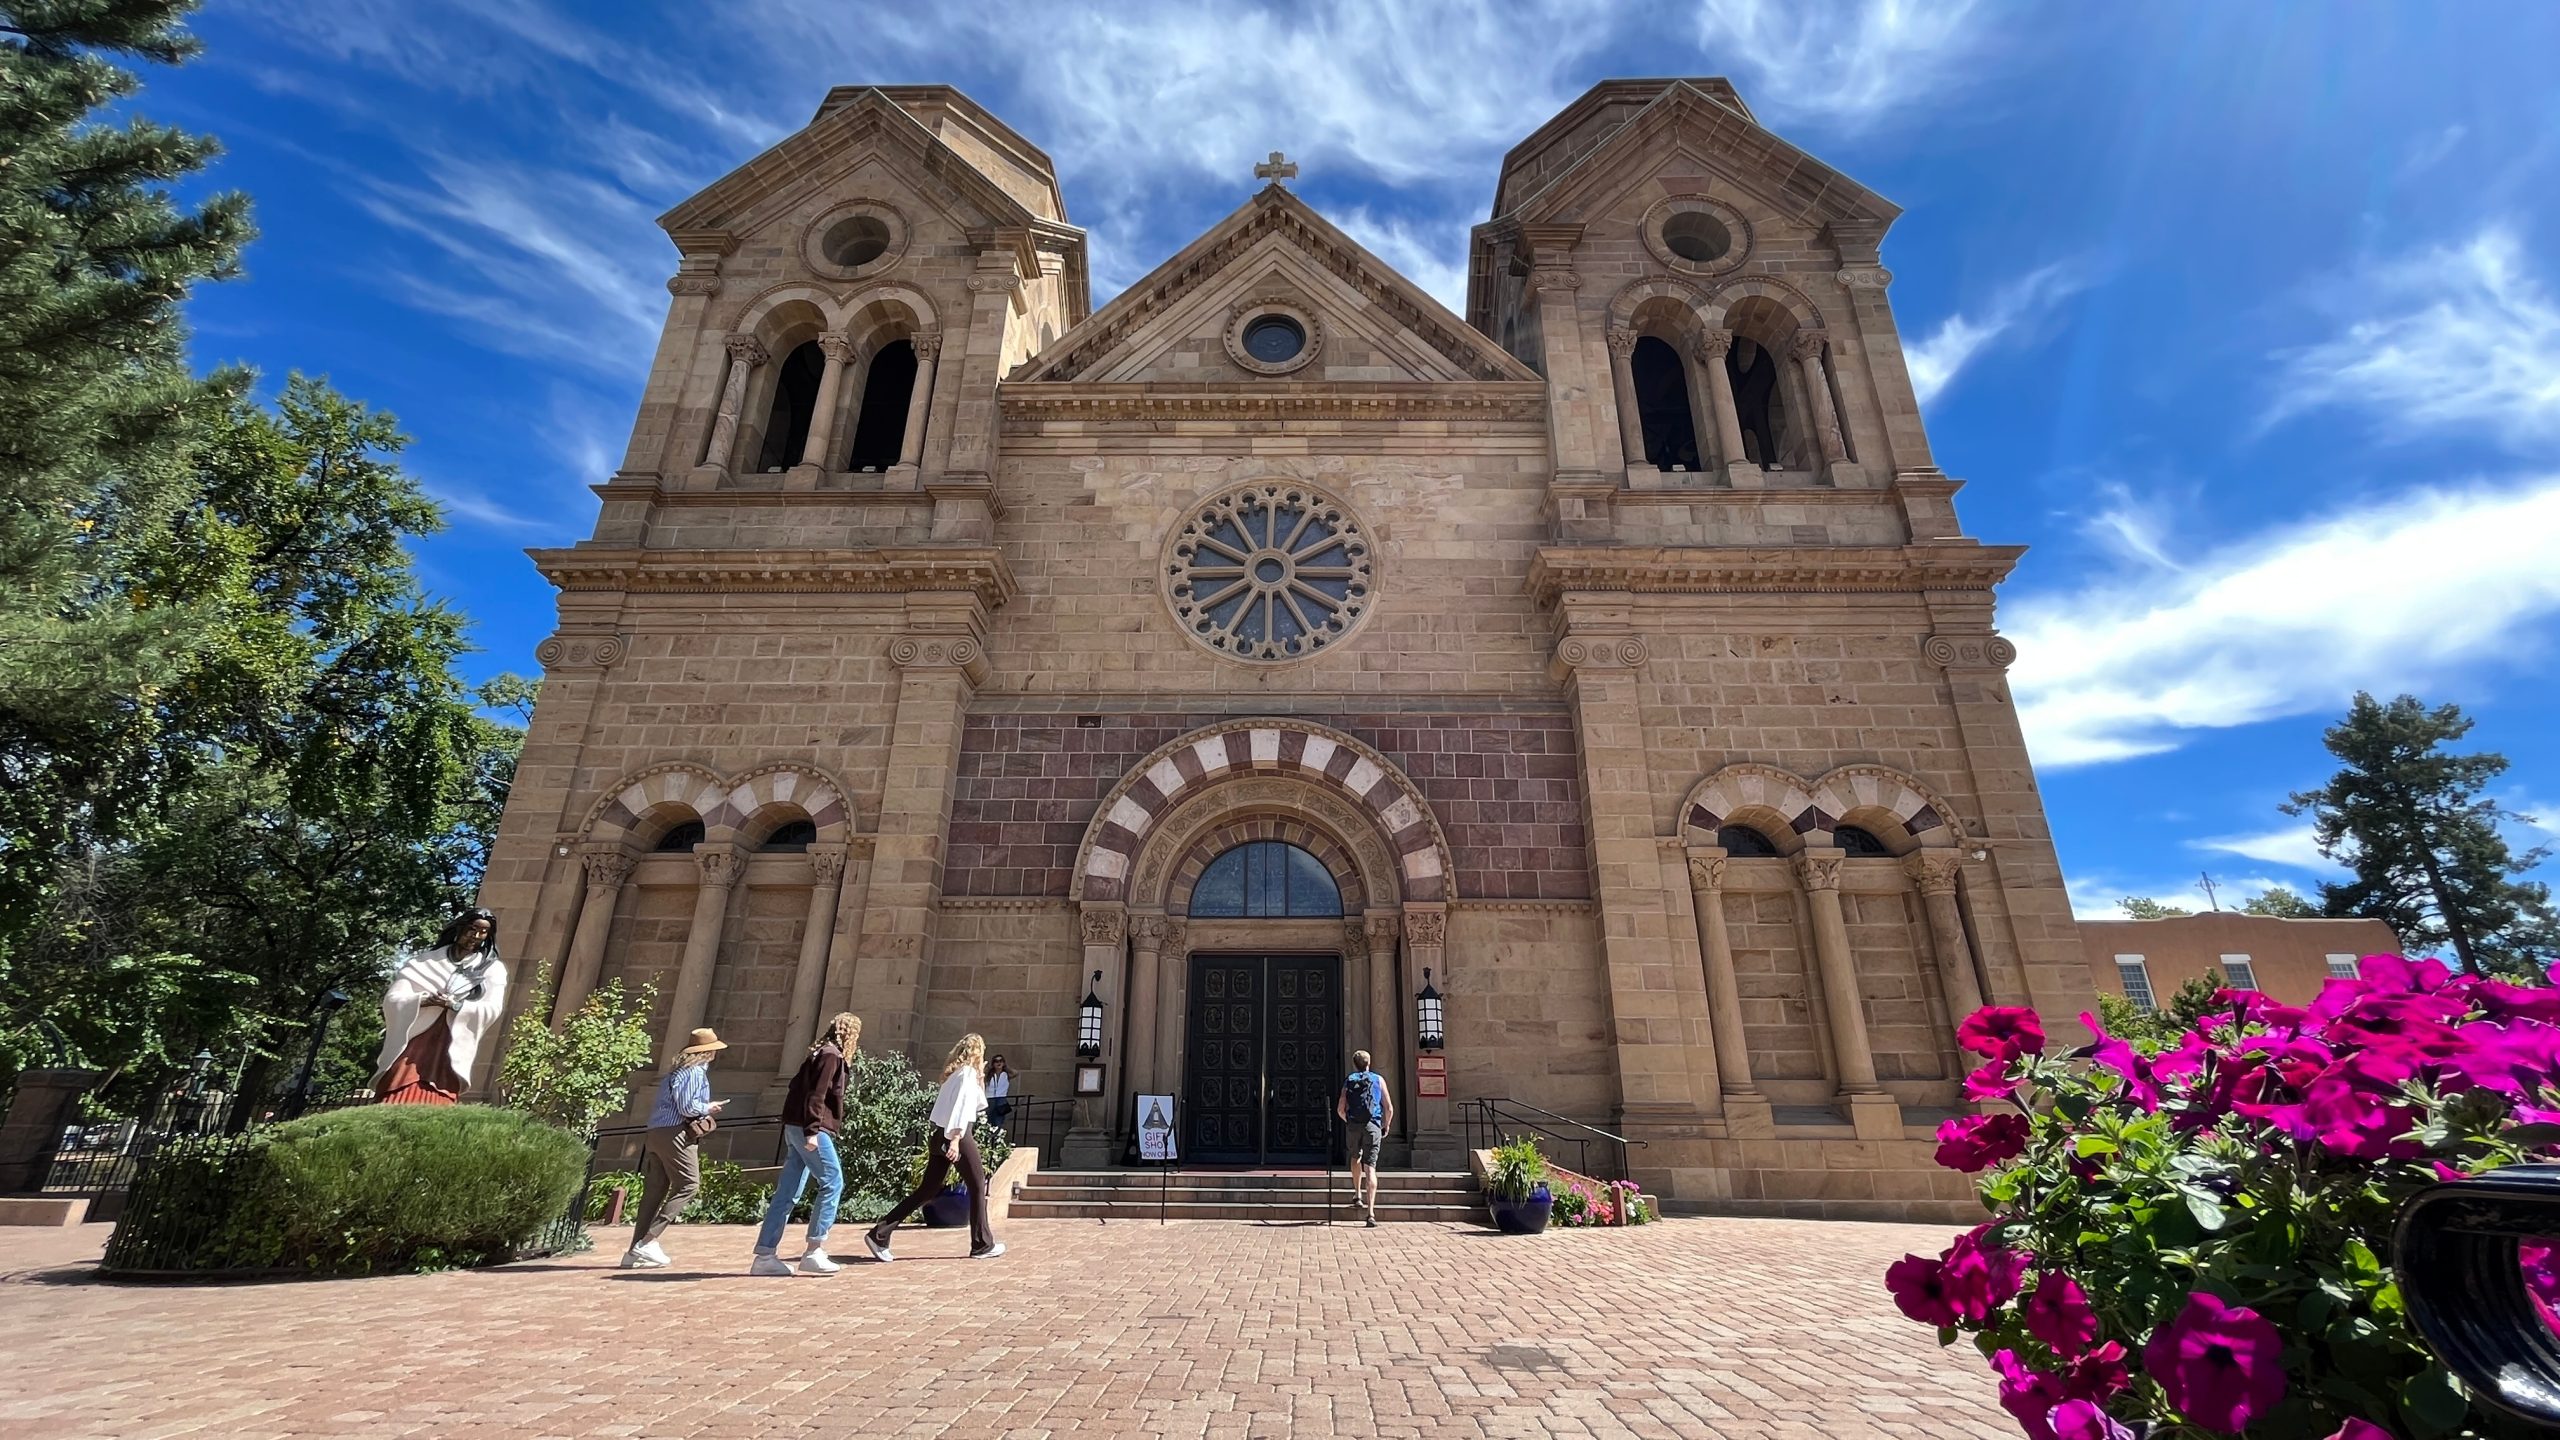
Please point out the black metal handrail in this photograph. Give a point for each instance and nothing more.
(1488, 1118)
(1048, 1119)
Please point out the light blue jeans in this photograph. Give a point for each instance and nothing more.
(797, 1166)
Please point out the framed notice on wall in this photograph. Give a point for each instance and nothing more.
(1155, 1128)
(1431, 1077)
(1088, 1079)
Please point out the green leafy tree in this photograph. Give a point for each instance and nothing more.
(580, 1074)
(2429, 856)
(97, 416)
(2143, 907)
(2281, 903)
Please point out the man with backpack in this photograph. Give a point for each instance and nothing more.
(1366, 1114)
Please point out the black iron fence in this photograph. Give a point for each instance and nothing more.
(1044, 1123)
(1487, 1123)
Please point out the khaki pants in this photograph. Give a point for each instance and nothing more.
(670, 1171)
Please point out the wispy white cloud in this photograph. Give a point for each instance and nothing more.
(2431, 150)
(1848, 64)
(2396, 595)
(471, 506)
(2293, 846)
(2462, 337)
(1939, 356)
(1433, 256)
(2135, 527)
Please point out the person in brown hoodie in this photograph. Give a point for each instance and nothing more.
(812, 1117)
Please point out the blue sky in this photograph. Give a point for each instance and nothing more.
(2245, 317)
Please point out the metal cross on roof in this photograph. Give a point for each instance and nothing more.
(1278, 167)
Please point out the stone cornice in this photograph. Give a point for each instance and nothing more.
(1523, 401)
(977, 570)
(1702, 570)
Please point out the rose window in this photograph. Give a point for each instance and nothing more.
(1269, 572)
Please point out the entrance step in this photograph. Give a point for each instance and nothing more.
(1244, 1195)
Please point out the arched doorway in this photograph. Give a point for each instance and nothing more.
(1264, 1030)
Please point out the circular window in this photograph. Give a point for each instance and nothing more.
(1271, 571)
(856, 241)
(1697, 236)
(1273, 337)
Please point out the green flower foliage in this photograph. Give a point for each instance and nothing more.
(580, 1074)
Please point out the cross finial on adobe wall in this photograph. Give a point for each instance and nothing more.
(1278, 167)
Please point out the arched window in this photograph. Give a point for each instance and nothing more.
(1858, 844)
(1662, 405)
(1744, 843)
(1265, 878)
(1758, 401)
(880, 427)
(790, 836)
(680, 839)
(795, 404)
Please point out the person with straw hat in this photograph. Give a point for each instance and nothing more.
(670, 1162)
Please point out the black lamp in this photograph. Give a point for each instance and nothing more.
(1427, 1019)
(1089, 1021)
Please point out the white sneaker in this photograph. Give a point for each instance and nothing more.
(655, 1254)
(989, 1253)
(769, 1265)
(817, 1263)
(638, 1258)
(878, 1247)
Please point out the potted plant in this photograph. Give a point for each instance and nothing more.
(1516, 1188)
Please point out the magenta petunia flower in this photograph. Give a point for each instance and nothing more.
(2516, 1057)
(2083, 1420)
(1991, 1082)
(2058, 1313)
(2217, 1364)
(2114, 1053)
(2003, 1032)
(1980, 1277)
(2541, 1265)
(2361, 1430)
(2028, 1394)
(1975, 1142)
(1919, 1287)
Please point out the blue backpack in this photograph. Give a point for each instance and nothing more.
(1363, 1094)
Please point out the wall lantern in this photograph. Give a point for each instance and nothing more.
(1089, 1021)
(1427, 1019)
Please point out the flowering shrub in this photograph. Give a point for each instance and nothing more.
(2190, 1234)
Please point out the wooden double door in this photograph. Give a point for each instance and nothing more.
(1263, 1058)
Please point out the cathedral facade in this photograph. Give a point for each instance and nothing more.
(1271, 647)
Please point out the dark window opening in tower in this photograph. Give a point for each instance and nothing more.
(880, 431)
(1754, 373)
(1744, 843)
(795, 404)
(1662, 405)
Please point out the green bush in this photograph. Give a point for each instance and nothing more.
(888, 1112)
(1517, 1169)
(600, 1193)
(352, 1192)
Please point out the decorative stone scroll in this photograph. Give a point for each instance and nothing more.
(566, 652)
(1602, 652)
(1969, 652)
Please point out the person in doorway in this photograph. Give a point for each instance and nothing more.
(955, 1112)
(670, 1159)
(999, 1092)
(444, 1000)
(812, 1117)
(1367, 1113)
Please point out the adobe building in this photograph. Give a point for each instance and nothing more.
(2147, 960)
(1272, 644)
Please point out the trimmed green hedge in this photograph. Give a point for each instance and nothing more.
(384, 1188)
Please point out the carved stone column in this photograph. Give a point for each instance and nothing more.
(1173, 982)
(1622, 381)
(1382, 1005)
(919, 399)
(1738, 469)
(1106, 931)
(1806, 347)
(1426, 934)
(1874, 1113)
(936, 673)
(1146, 971)
(1746, 1111)
(745, 354)
(1933, 874)
(822, 421)
(808, 982)
(692, 998)
(606, 870)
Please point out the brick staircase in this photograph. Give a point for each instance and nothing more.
(1283, 1195)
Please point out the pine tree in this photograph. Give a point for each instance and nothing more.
(96, 410)
(2281, 902)
(2408, 818)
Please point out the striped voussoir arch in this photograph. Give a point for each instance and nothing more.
(1264, 747)
(1811, 809)
(724, 806)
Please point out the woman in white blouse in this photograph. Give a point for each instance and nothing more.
(955, 1114)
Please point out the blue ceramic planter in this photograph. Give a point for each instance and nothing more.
(950, 1209)
(1523, 1217)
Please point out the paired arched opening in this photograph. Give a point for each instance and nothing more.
(1765, 407)
(1662, 406)
(795, 407)
(880, 420)
(1739, 378)
(838, 387)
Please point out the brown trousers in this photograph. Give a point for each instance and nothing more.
(670, 1171)
(973, 1173)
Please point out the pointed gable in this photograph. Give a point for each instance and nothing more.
(1374, 324)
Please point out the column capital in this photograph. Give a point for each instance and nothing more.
(838, 348)
(1817, 867)
(1621, 341)
(1356, 936)
(681, 283)
(828, 863)
(1969, 652)
(718, 863)
(1106, 922)
(606, 869)
(1714, 344)
(1933, 871)
(747, 350)
(1706, 867)
(1147, 931)
(1805, 344)
(1553, 276)
(1602, 652)
(1381, 930)
(1427, 927)
(928, 346)
(940, 652)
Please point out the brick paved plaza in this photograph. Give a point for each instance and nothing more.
(1728, 1328)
